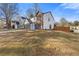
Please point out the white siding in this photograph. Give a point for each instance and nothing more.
(32, 26)
(46, 22)
(16, 26)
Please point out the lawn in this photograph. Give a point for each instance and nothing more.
(39, 43)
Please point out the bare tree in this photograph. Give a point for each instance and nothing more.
(76, 23)
(63, 22)
(8, 10)
(36, 8)
(31, 12)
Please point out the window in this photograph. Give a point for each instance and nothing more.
(48, 19)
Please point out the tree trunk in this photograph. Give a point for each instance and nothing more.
(8, 24)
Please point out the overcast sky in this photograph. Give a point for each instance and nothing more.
(70, 11)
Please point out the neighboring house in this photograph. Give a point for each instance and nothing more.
(15, 24)
(74, 29)
(18, 22)
(41, 21)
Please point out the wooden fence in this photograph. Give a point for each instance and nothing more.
(59, 28)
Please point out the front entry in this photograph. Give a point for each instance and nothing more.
(13, 26)
(37, 26)
(50, 27)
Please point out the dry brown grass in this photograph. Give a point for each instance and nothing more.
(36, 43)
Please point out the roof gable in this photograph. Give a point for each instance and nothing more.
(27, 19)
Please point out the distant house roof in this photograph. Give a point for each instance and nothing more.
(27, 20)
(15, 21)
(23, 17)
(33, 19)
